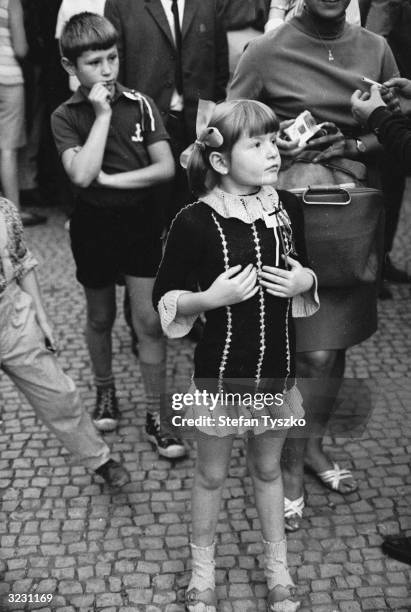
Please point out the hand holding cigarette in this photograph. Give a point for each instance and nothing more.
(388, 94)
(364, 103)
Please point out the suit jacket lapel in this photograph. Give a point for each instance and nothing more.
(190, 9)
(155, 8)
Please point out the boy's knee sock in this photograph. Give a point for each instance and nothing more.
(106, 381)
(154, 380)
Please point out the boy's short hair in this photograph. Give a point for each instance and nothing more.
(86, 32)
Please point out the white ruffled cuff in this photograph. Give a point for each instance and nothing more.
(174, 326)
(307, 303)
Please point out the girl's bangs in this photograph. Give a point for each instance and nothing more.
(246, 118)
(259, 119)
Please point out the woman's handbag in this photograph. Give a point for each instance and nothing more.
(344, 222)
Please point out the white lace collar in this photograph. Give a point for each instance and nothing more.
(247, 208)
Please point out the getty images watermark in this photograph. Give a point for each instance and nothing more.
(239, 405)
(212, 401)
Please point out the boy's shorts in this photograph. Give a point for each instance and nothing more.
(12, 119)
(110, 243)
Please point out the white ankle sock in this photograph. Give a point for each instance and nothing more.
(275, 564)
(203, 567)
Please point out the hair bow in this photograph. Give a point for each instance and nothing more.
(207, 136)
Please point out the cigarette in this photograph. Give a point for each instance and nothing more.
(371, 82)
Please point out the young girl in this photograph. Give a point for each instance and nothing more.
(244, 242)
(27, 354)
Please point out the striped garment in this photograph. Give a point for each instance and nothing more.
(10, 70)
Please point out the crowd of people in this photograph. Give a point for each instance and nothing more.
(172, 118)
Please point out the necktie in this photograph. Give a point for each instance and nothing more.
(178, 39)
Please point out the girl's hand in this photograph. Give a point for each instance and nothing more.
(286, 283)
(232, 287)
(48, 333)
(287, 148)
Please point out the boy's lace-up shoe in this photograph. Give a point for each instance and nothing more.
(106, 414)
(113, 473)
(167, 445)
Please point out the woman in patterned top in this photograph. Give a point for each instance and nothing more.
(244, 244)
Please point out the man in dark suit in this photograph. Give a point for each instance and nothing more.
(176, 52)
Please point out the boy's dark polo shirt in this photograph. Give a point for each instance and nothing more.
(135, 124)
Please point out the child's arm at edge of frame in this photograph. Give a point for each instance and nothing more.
(29, 284)
(161, 169)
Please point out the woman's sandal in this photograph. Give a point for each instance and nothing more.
(293, 513)
(332, 478)
(282, 599)
(201, 601)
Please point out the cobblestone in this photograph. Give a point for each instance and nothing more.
(63, 532)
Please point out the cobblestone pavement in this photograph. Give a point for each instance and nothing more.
(62, 532)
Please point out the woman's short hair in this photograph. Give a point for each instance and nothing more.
(86, 32)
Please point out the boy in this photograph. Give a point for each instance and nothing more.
(27, 350)
(114, 149)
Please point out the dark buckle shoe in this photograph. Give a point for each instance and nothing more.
(398, 547)
(106, 414)
(113, 474)
(167, 446)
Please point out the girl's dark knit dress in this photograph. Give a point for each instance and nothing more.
(252, 340)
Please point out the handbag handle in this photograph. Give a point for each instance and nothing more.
(340, 195)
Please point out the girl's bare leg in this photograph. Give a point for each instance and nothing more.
(263, 459)
(213, 460)
(264, 455)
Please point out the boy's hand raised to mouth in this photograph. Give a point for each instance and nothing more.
(100, 97)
